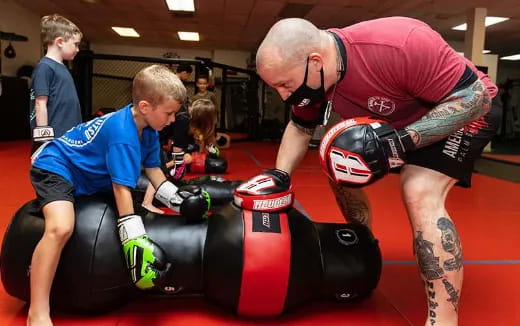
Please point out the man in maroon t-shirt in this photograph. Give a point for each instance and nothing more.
(401, 71)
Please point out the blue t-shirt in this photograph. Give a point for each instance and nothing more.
(102, 151)
(52, 79)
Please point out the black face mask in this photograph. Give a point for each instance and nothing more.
(304, 95)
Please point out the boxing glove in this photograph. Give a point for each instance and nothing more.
(213, 151)
(359, 151)
(145, 260)
(43, 134)
(178, 170)
(190, 201)
(270, 191)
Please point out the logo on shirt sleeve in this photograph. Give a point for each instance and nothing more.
(381, 105)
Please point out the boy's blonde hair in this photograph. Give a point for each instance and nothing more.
(54, 26)
(202, 122)
(157, 84)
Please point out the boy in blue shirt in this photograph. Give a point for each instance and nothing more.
(103, 155)
(54, 101)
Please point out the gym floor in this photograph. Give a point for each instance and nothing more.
(487, 218)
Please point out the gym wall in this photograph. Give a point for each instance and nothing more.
(27, 53)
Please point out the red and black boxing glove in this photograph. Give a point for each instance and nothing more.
(360, 151)
(267, 192)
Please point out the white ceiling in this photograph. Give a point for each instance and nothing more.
(241, 24)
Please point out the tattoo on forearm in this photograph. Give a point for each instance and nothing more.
(456, 111)
(308, 131)
(353, 208)
(450, 243)
(428, 263)
(453, 294)
(432, 304)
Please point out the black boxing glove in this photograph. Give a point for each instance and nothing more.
(189, 201)
(359, 151)
(192, 148)
(270, 191)
(215, 165)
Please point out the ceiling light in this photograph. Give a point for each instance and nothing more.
(188, 36)
(511, 57)
(180, 5)
(125, 31)
(489, 21)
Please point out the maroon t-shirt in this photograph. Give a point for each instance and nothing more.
(397, 70)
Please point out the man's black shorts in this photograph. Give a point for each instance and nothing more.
(456, 155)
(50, 187)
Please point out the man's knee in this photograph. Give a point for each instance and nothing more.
(423, 188)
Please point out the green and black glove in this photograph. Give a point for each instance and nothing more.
(144, 258)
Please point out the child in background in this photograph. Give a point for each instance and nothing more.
(223, 140)
(54, 101)
(193, 131)
(203, 92)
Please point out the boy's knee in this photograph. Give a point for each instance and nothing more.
(60, 232)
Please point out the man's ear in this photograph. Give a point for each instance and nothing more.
(316, 61)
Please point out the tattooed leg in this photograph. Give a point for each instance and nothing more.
(353, 203)
(450, 243)
(440, 263)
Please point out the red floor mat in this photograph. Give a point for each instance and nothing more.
(487, 217)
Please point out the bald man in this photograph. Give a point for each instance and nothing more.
(401, 71)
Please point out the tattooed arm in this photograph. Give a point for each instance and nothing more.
(293, 147)
(455, 111)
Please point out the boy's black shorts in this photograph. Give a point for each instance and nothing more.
(50, 187)
(456, 155)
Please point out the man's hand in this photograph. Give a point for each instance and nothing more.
(144, 258)
(268, 192)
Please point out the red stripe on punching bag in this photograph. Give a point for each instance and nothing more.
(267, 261)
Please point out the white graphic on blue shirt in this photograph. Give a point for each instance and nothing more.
(85, 133)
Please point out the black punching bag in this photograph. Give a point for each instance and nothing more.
(91, 277)
(257, 264)
(262, 264)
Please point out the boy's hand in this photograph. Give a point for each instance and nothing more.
(43, 134)
(190, 201)
(144, 258)
(213, 151)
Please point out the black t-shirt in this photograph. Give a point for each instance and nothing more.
(52, 79)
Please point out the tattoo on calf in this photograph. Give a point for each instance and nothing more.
(432, 304)
(453, 293)
(353, 209)
(428, 263)
(450, 243)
